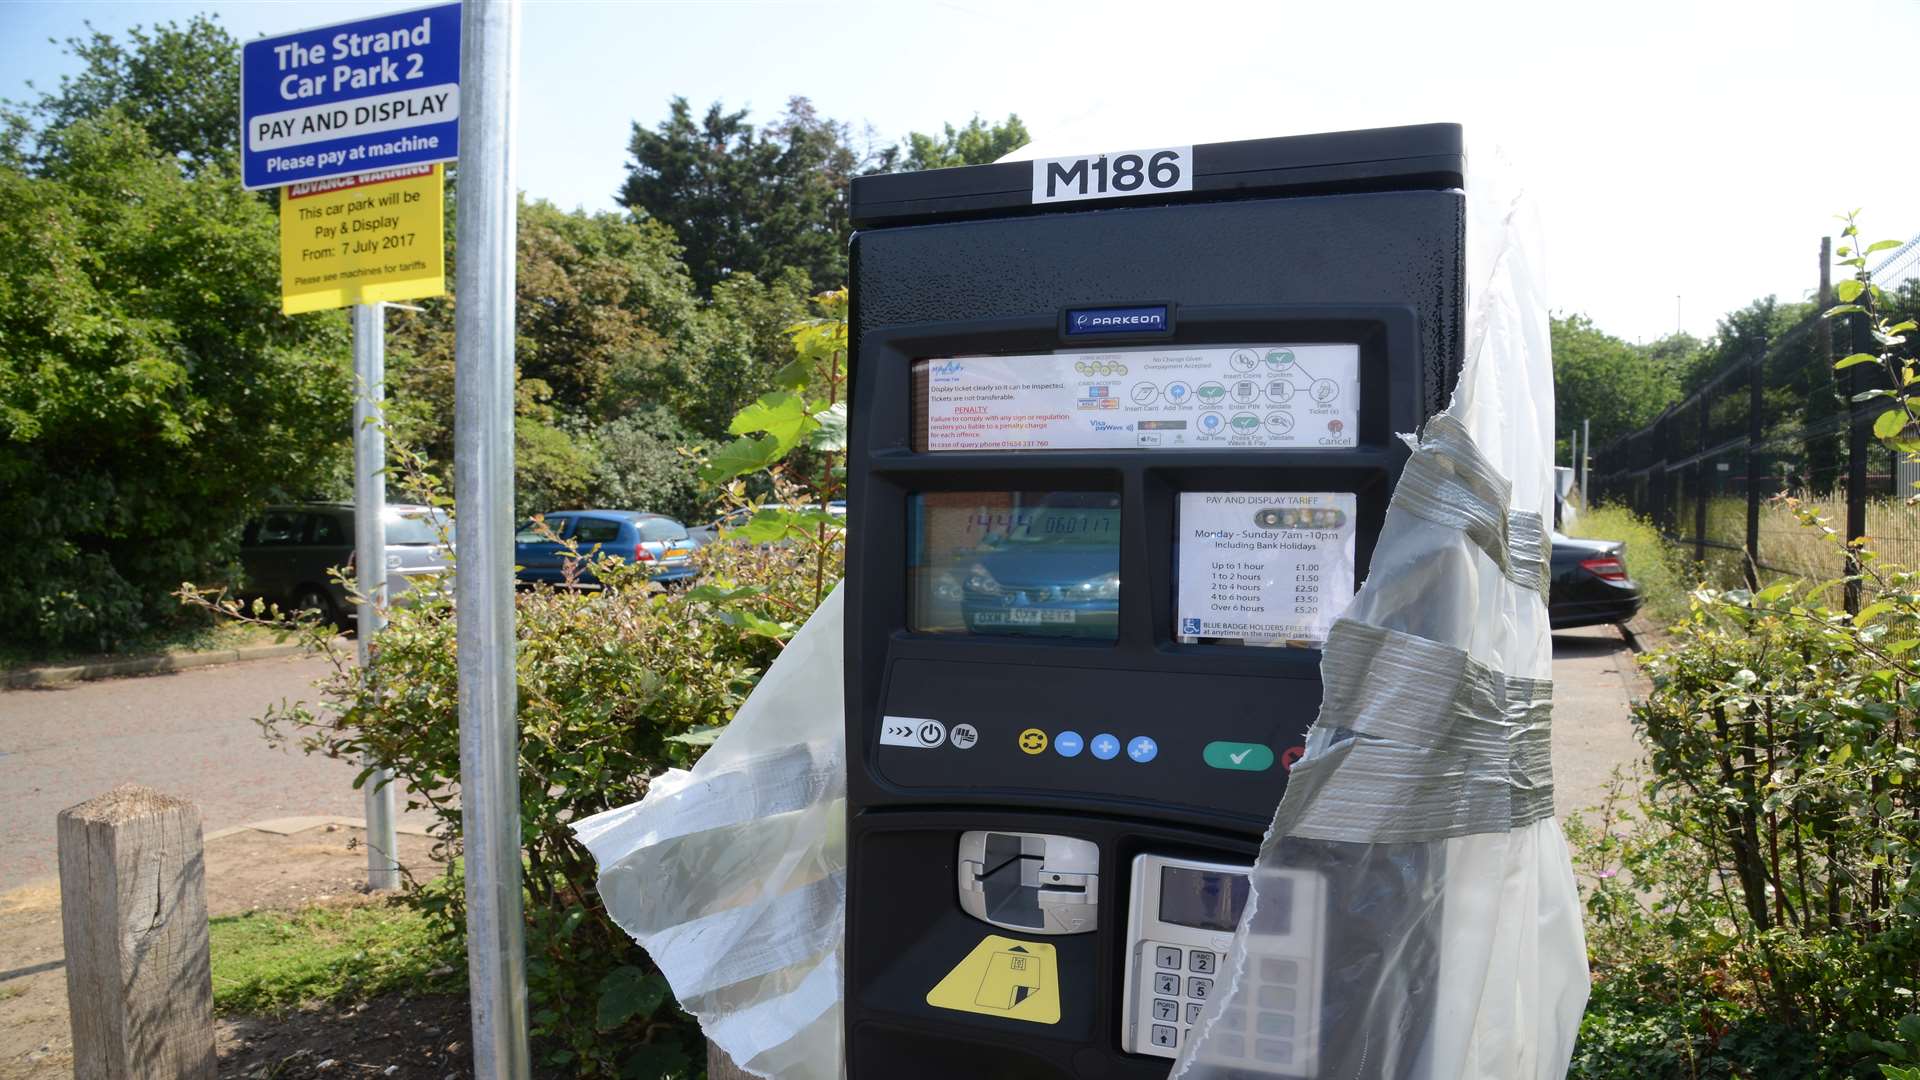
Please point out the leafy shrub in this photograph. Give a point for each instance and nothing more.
(614, 685)
(638, 466)
(151, 395)
(1758, 912)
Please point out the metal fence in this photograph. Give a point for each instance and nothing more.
(1778, 421)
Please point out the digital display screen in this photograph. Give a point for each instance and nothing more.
(1211, 900)
(1027, 563)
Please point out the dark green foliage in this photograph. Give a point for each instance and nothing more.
(177, 84)
(743, 200)
(1617, 385)
(979, 143)
(638, 466)
(151, 394)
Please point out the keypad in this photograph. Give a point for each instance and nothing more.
(1182, 986)
(1263, 1025)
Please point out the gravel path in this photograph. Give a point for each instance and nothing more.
(190, 733)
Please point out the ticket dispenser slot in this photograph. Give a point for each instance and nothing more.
(1032, 882)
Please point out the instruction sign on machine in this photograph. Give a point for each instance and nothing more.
(1257, 396)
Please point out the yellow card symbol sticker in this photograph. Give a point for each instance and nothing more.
(1019, 980)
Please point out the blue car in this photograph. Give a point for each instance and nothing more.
(658, 543)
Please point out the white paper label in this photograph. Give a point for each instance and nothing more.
(1304, 396)
(1264, 566)
(1113, 176)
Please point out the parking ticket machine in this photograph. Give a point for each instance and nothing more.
(1123, 433)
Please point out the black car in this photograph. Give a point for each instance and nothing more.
(1590, 584)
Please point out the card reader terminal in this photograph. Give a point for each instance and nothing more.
(1180, 926)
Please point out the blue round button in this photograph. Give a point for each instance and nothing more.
(1068, 744)
(1106, 747)
(1143, 749)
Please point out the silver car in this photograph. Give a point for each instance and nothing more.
(288, 554)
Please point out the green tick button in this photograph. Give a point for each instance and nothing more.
(1244, 756)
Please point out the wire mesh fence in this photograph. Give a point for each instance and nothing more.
(1723, 470)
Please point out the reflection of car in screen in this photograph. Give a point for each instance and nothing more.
(1054, 570)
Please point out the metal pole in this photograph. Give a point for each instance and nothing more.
(370, 561)
(483, 497)
(1586, 459)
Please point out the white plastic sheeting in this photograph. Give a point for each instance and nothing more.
(1425, 796)
(1424, 799)
(733, 875)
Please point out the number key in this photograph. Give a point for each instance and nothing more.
(1167, 957)
(1164, 1009)
(1200, 960)
(1167, 984)
(1199, 989)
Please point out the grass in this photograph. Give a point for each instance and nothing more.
(272, 961)
(197, 637)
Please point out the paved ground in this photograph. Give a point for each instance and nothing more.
(189, 733)
(1594, 680)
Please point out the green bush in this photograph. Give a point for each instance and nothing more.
(1757, 911)
(152, 397)
(1664, 573)
(615, 684)
(639, 466)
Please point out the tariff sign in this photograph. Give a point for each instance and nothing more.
(362, 239)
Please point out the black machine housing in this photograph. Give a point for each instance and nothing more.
(1352, 237)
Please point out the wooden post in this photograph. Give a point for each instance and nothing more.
(721, 1067)
(133, 908)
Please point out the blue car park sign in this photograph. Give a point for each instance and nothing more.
(351, 98)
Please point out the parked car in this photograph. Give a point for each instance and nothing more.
(657, 542)
(1053, 573)
(706, 534)
(288, 554)
(1590, 586)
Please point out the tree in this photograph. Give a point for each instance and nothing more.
(978, 143)
(1620, 387)
(177, 84)
(152, 397)
(742, 200)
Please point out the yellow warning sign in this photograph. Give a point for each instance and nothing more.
(1003, 977)
(362, 239)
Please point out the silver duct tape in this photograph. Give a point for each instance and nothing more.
(1428, 744)
(1448, 481)
(1408, 689)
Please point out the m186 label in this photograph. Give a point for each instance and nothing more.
(1113, 176)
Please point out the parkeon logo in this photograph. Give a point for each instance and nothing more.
(1119, 320)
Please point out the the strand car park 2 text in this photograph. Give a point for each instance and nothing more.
(351, 98)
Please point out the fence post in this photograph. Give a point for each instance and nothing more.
(1756, 387)
(1700, 482)
(721, 1067)
(133, 912)
(1857, 443)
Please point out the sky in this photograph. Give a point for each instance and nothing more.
(1686, 158)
